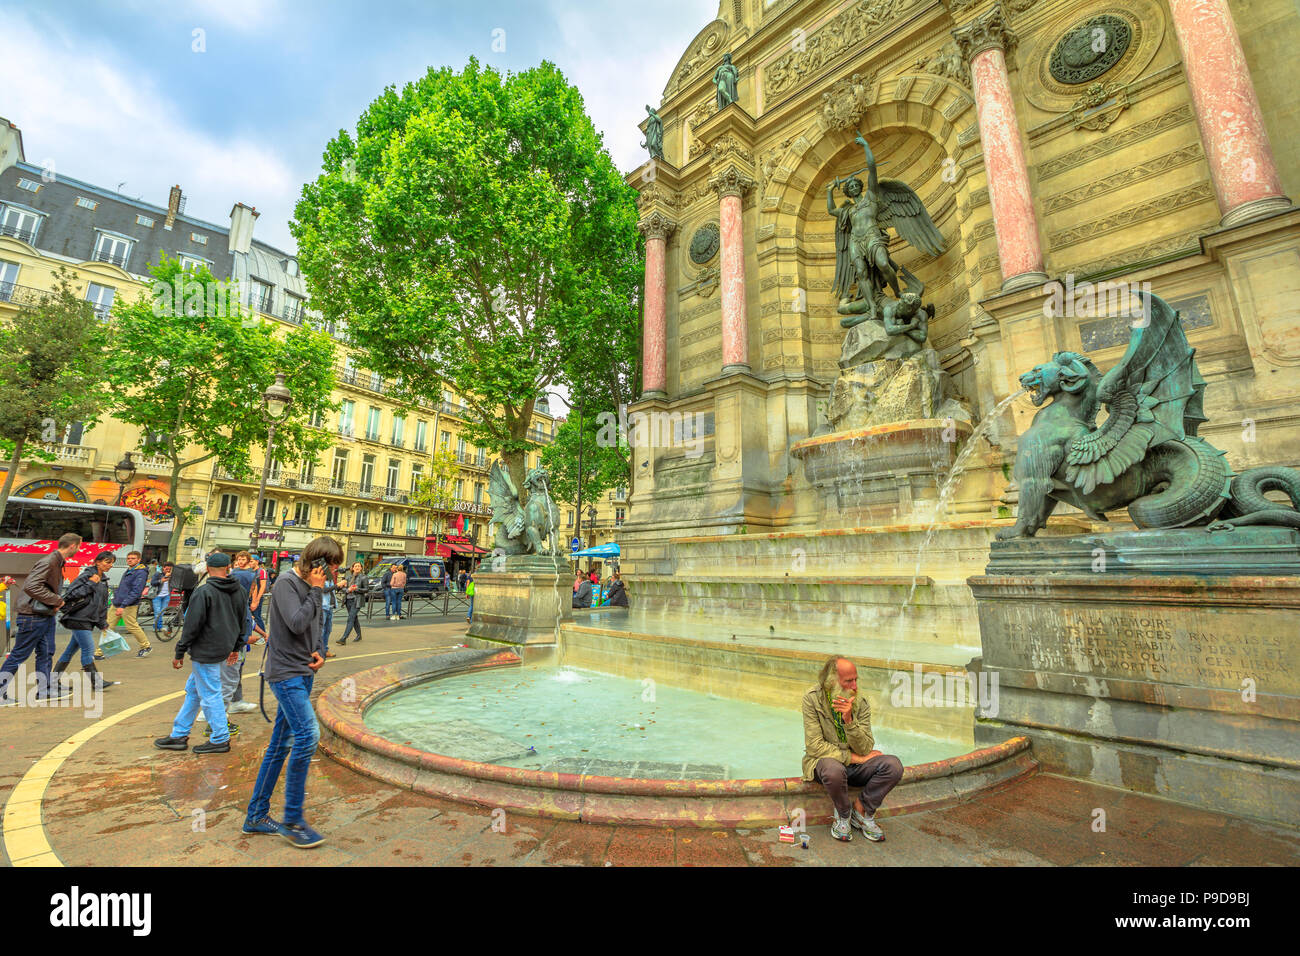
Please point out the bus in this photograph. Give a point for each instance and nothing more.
(31, 528)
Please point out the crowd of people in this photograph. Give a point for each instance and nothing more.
(585, 590)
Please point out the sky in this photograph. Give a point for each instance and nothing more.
(235, 100)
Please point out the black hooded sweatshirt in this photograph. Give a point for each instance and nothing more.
(214, 622)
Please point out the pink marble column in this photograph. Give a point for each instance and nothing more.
(654, 328)
(730, 185)
(984, 43)
(1227, 111)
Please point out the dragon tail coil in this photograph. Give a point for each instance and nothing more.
(1197, 483)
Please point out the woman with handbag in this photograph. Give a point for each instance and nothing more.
(85, 607)
(354, 592)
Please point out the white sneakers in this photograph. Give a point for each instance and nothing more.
(840, 828)
(241, 707)
(868, 826)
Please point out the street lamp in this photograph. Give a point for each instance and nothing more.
(275, 401)
(123, 472)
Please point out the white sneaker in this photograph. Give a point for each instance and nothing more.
(241, 707)
(868, 826)
(840, 828)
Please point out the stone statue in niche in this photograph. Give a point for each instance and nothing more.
(727, 80)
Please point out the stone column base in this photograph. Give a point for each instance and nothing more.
(1256, 209)
(1023, 281)
(1184, 686)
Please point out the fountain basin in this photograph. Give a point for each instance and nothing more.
(600, 798)
(864, 453)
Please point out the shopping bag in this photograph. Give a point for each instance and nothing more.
(111, 643)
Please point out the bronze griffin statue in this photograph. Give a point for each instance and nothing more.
(522, 528)
(1146, 456)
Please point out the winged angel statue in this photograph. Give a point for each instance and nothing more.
(1146, 456)
(522, 528)
(862, 245)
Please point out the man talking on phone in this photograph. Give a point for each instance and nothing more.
(294, 654)
(838, 751)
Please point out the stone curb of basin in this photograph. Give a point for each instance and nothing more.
(730, 804)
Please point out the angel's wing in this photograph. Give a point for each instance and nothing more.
(1154, 395)
(844, 276)
(902, 208)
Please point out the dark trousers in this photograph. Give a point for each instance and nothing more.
(35, 635)
(354, 624)
(876, 777)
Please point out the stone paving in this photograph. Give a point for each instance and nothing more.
(118, 801)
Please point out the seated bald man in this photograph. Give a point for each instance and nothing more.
(838, 750)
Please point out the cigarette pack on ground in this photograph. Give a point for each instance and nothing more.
(786, 834)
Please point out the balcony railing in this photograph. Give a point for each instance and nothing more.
(103, 255)
(293, 311)
(537, 435)
(324, 486)
(76, 456)
(24, 235)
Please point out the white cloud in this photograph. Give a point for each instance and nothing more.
(97, 120)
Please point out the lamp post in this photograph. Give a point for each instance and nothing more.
(123, 472)
(275, 403)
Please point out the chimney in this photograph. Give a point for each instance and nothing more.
(241, 227)
(173, 207)
(11, 144)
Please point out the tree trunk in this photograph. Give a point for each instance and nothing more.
(178, 521)
(13, 472)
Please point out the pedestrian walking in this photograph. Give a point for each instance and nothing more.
(469, 592)
(232, 675)
(354, 593)
(327, 610)
(294, 655)
(213, 632)
(85, 608)
(38, 604)
(397, 587)
(160, 587)
(258, 593)
(127, 598)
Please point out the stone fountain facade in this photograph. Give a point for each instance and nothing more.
(793, 473)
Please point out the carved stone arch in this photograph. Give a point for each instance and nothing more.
(708, 45)
(930, 113)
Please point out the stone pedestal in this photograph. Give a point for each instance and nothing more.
(523, 603)
(1182, 685)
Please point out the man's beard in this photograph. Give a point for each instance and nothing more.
(836, 689)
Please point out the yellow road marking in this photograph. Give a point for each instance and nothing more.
(24, 832)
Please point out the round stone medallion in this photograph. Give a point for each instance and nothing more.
(704, 244)
(1090, 49)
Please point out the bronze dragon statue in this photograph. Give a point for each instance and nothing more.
(1146, 456)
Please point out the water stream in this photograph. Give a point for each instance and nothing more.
(949, 487)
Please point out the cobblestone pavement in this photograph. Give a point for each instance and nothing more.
(115, 800)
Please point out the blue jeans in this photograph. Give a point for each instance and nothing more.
(470, 613)
(295, 729)
(326, 625)
(86, 641)
(393, 600)
(34, 634)
(203, 687)
(159, 605)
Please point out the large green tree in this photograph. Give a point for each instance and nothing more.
(51, 372)
(475, 233)
(189, 367)
(605, 456)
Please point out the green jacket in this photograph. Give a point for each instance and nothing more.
(820, 738)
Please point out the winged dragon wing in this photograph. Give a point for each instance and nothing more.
(902, 208)
(1154, 395)
(505, 500)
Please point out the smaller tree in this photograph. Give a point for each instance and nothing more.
(51, 371)
(606, 457)
(434, 492)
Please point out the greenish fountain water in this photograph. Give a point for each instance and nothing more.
(579, 721)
